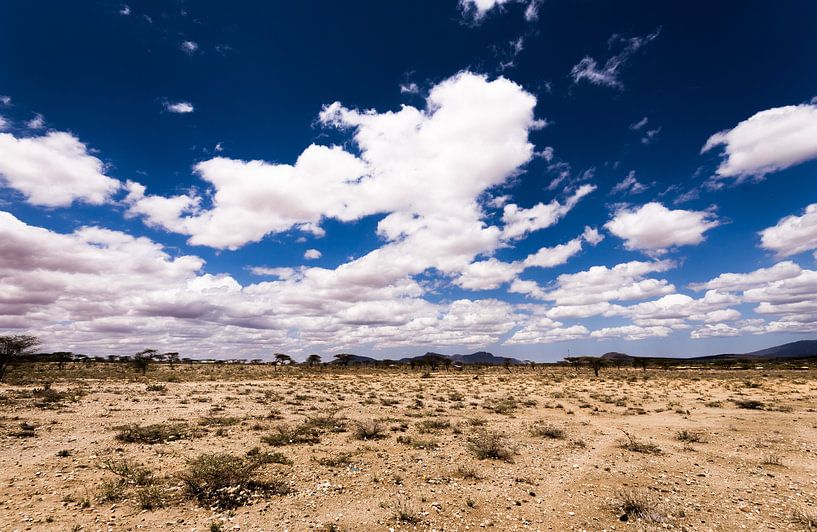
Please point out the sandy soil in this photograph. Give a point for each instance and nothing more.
(754, 469)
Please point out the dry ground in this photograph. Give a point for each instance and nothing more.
(379, 450)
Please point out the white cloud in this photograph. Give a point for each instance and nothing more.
(3, 123)
(631, 332)
(179, 107)
(409, 88)
(519, 221)
(38, 122)
(638, 125)
(768, 141)
(425, 168)
(792, 234)
(189, 47)
(650, 135)
(54, 170)
(491, 273)
(609, 74)
(124, 10)
(629, 185)
(743, 281)
(312, 254)
(477, 9)
(654, 228)
(534, 334)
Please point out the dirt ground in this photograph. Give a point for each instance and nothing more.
(527, 449)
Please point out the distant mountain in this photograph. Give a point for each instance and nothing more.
(803, 348)
(800, 349)
(484, 358)
(356, 359)
(481, 358)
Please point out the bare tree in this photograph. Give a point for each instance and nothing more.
(15, 346)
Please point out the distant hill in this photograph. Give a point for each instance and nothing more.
(481, 358)
(356, 359)
(803, 348)
(793, 350)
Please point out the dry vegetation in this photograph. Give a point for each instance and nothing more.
(102, 447)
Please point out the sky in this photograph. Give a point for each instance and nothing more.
(531, 178)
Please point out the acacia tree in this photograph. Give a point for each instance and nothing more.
(313, 360)
(596, 364)
(282, 359)
(172, 358)
(14, 346)
(62, 357)
(142, 360)
(344, 358)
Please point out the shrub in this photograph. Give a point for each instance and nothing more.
(226, 481)
(151, 434)
(687, 436)
(633, 504)
(369, 430)
(749, 404)
(150, 497)
(486, 444)
(404, 513)
(129, 471)
(285, 435)
(343, 459)
(432, 425)
(805, 517)
(417, 443)
(545, 430)
(637, 446)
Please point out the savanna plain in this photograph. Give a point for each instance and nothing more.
(205, 447)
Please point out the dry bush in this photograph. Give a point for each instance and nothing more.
(637, 446)
(417, 443)
(225, 481)
(286, 435)
(432, 425)
(152, 434)
(486, 444)
(688, 436)
(404, 513)
(634, 504)
(805, 517)
(749, 404)
(369, 430)
(545, 430)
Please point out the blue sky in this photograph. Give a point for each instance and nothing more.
(527, 177)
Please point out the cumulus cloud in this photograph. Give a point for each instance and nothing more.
(179, 107)
(631, 332)
(655, 229)
(54, 170)
(743, 281)
(792, 234)
(766, 142)
(519, 221)
(103, 291)
(38, 122)
(609, 74)
(312, 254)
(425, 168)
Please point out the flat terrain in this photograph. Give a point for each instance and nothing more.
(355, 449)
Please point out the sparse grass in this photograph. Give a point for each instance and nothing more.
(417, 443)
(130, 471)
(467, 473)
(152, 434)
(150, 497)
(493, 445)
(432, 425)
(546, 430)
(404, 513)
(339, 460)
